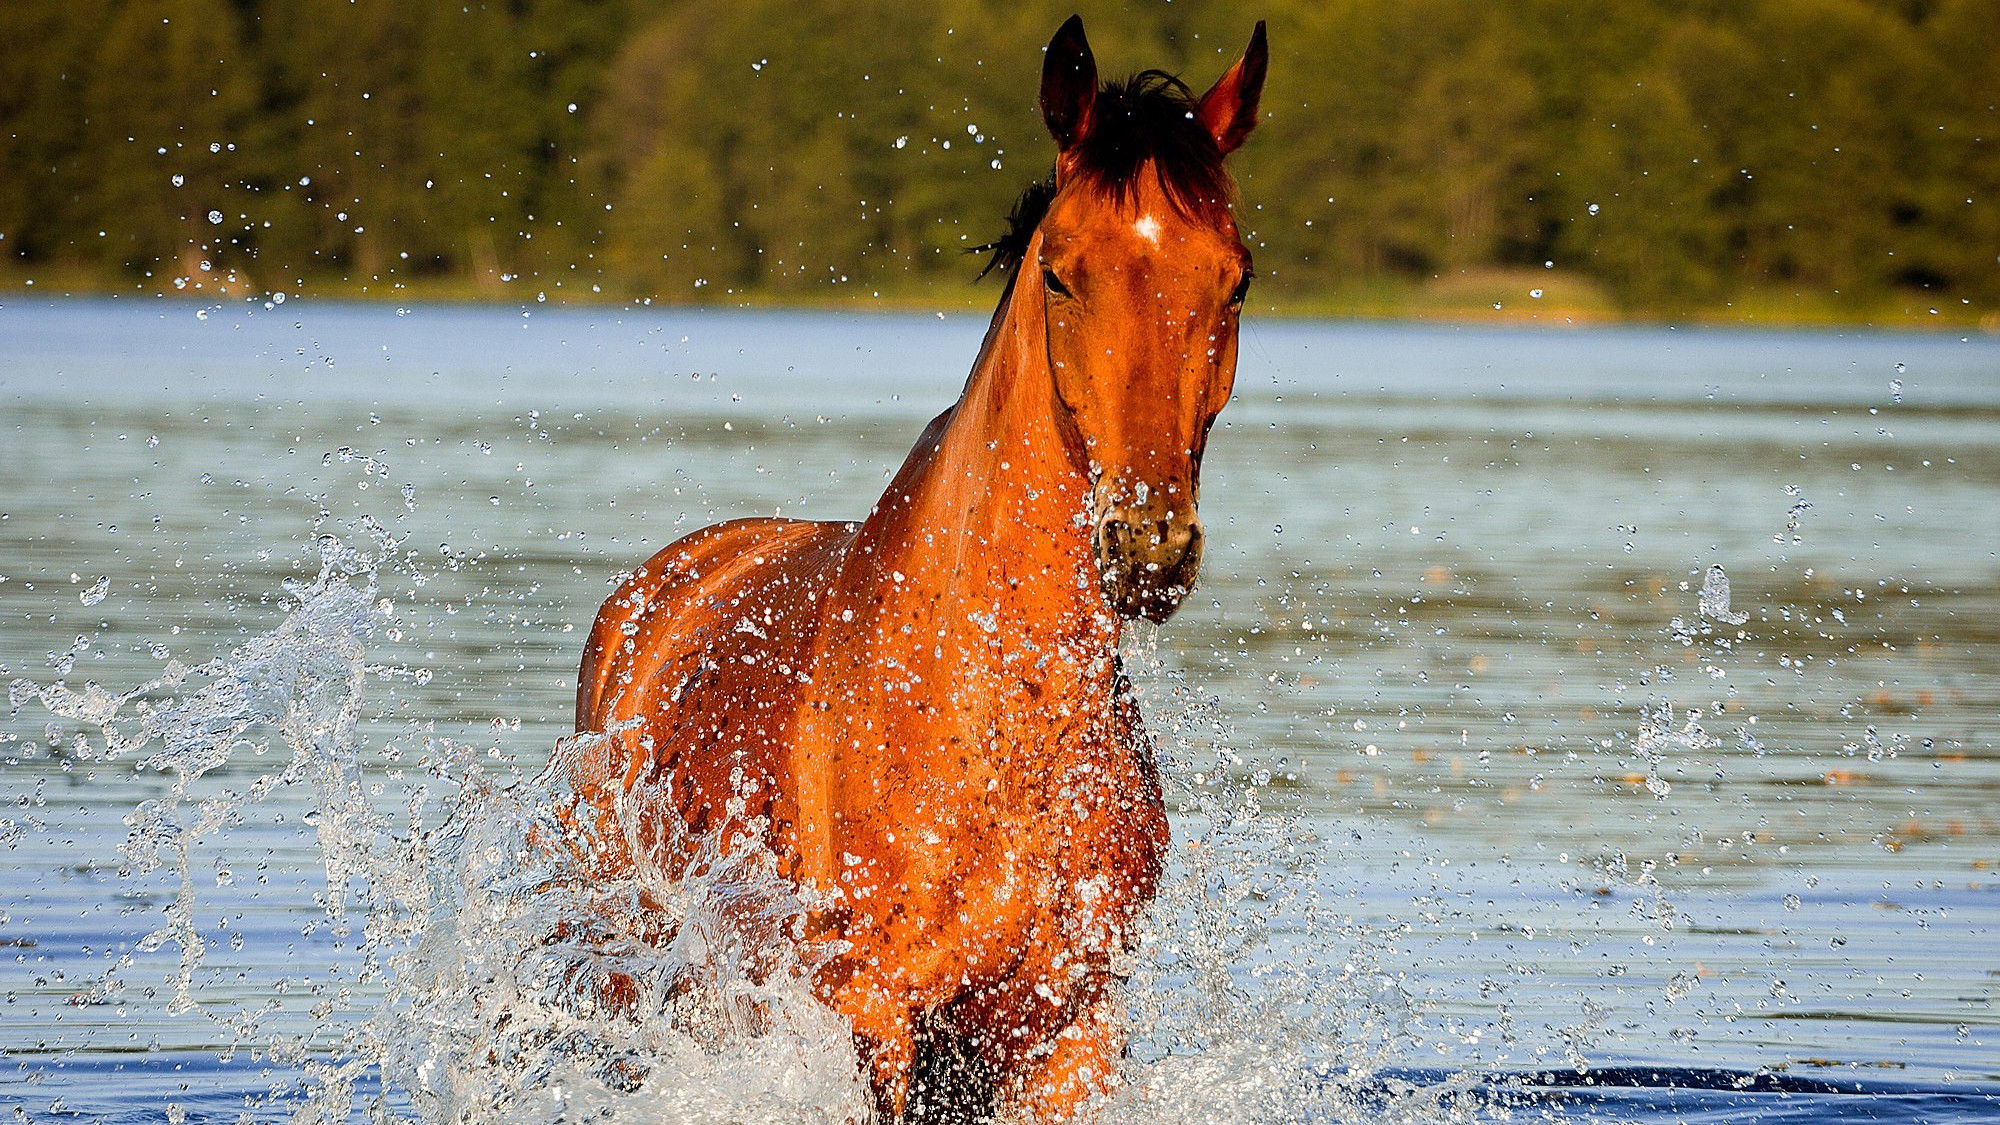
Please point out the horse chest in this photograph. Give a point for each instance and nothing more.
(1010, 833)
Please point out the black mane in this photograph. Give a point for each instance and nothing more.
(1150, 116)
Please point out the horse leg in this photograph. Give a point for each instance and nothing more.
(887, 1039)
(1081, 1063)
(950, 1084)
(924, 1072)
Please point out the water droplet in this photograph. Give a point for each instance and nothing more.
(1715, 598)
(1800, 506)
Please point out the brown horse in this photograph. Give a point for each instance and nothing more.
(922, 714)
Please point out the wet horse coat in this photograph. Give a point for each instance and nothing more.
(922, 714)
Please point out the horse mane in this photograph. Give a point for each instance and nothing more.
(1148, 117)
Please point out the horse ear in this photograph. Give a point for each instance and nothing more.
(1229, 109)
(1069, 84)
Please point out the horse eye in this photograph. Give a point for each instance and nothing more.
(1054, 283)
(1241, 291)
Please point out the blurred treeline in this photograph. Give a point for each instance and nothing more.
(1679, 154)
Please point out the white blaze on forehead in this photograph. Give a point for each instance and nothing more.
(1148, 228)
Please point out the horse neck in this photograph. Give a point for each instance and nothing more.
(989, 501)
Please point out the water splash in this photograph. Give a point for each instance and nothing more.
(301, 679)
(1715, 597)
(496, 974)
(540, 990)
(1250, 999)
(1794, 516)
(494, 979)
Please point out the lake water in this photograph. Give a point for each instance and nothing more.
(1486, 812)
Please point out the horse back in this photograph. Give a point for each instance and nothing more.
(696, 656)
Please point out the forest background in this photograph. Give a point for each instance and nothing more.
(1746, 160)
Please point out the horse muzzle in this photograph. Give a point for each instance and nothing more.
(1147, 557)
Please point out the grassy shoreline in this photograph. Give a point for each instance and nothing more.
(1527, 297)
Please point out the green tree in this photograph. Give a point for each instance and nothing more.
(1461, 160)
(1636, 197)
(43, 144)
(127, 139)
(1953, 232)
(640, 146)
(1826, 145)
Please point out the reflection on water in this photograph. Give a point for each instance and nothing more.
(1484, 773)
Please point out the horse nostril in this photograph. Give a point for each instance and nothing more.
(1146, 561)
(1147, 544)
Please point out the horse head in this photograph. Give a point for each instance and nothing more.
(1142, 277)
